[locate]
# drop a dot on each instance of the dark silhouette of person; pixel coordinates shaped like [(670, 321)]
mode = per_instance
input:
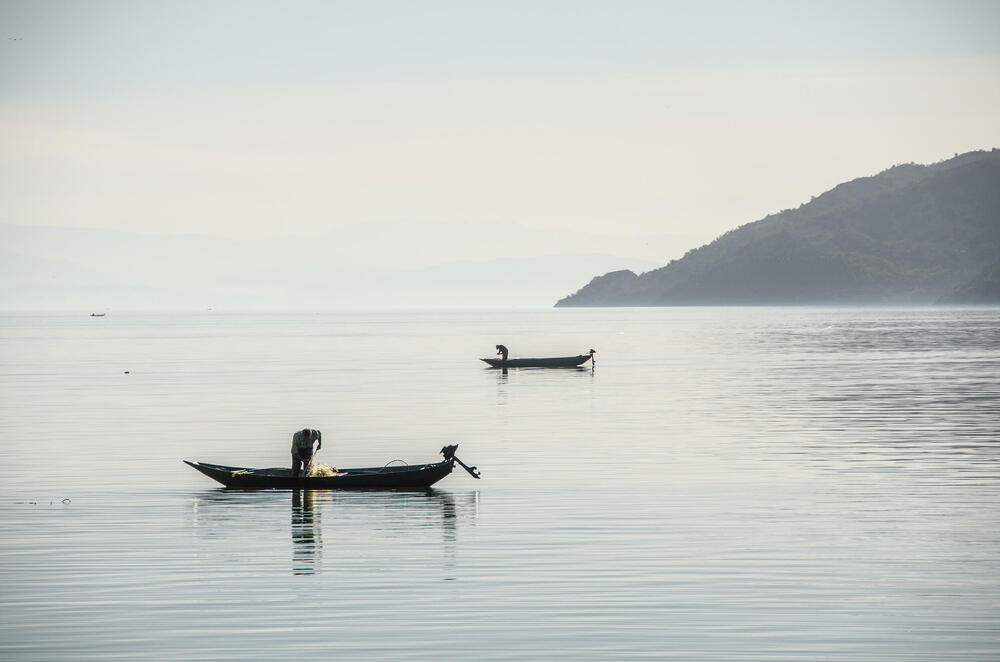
[(302, 449), (502, 351)]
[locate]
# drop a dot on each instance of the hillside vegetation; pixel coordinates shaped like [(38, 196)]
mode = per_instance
[(910, 234)]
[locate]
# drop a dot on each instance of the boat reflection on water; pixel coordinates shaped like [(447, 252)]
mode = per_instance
[(502, 374), (391, 515), (221, 515)]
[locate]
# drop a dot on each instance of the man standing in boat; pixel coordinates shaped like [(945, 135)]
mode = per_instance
[(302, 449), (502, 352)]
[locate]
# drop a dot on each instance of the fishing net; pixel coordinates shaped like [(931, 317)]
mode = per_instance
[(320, 470)]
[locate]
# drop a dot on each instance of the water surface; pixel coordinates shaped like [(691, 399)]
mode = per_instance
[(724, 484)]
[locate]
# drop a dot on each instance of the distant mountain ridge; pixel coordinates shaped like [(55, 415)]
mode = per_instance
[(90, 269), (910, 234)]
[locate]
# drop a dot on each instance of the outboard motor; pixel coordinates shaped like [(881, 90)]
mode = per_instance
[(449, 455)]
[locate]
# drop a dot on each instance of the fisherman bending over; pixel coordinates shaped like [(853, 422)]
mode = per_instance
[(302, 449), (502, 351)]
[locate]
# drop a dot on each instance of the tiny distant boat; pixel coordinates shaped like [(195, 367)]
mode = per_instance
[(550, 362), (98, 314), (388, 477)]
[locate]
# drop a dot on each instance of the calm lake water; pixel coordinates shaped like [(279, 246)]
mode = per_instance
[(724, 484)]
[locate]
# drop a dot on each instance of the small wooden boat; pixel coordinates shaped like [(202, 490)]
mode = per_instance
[(551, 362), (98, 314), (388, 477)]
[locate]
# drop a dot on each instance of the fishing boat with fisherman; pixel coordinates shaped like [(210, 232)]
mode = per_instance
[(546, 362), (391, 476)]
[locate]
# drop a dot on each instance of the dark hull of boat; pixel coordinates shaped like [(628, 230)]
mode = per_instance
[(404, 477), (556, 362)]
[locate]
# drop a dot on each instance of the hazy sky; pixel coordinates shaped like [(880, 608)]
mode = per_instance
[(619, 118)]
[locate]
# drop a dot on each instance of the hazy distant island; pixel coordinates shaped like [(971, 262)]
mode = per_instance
[(912, 234)]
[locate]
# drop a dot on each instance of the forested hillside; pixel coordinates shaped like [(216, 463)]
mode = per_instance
[(910, 234)]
